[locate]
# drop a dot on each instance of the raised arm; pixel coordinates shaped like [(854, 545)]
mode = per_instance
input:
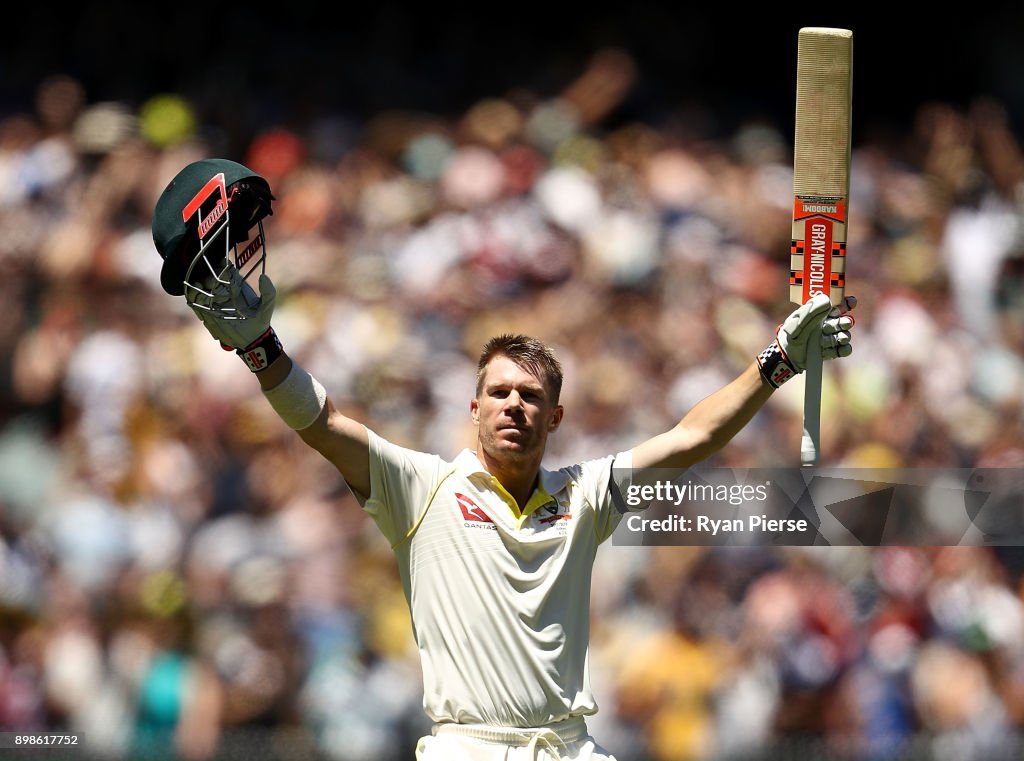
[(297, 397), (340, 439), (717, 418), (708, 426), (207, 226)]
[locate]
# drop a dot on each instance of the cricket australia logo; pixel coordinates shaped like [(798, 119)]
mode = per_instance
[(553, 513), (473, 515)]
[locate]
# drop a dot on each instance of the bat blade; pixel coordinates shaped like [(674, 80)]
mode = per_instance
[(821, 191), (821, 163)]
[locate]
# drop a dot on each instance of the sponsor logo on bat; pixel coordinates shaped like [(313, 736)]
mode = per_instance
[(812, 206), (819, 270)]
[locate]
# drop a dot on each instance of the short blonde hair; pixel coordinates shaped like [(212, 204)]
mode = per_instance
[(529, 353)]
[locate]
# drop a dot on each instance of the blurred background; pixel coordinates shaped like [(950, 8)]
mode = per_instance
[(180, 578)]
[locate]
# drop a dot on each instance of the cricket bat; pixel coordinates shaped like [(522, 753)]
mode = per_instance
[(821, 192)]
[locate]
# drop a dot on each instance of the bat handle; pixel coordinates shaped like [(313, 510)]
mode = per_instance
[(811, 440)]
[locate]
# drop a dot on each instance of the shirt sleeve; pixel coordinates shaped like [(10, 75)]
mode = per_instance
[(401, 483), (603, 482)]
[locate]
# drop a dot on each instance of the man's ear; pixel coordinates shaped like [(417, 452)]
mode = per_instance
[(474, 410), (556, 418)]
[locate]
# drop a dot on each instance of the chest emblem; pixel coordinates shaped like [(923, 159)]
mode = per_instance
[(471, 511), (551, 512)]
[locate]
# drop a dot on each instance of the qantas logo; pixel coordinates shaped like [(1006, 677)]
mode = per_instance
[(470, 510)]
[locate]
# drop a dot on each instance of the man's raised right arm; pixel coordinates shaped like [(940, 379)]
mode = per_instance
[(240, 319), (340, 439)]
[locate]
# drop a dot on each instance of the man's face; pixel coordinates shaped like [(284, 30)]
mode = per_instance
[(514, 411)]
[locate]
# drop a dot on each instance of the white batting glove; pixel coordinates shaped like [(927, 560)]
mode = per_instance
[(233, 313), (814, 325)]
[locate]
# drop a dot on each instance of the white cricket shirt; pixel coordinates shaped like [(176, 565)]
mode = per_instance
[(500, 601)]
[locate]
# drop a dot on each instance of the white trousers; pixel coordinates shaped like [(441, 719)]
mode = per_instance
[(566, 741)]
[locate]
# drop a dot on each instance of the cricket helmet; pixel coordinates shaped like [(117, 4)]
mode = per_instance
[(203, 223)]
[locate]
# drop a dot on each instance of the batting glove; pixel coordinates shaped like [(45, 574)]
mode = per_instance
[(233, 313), (814, 325)]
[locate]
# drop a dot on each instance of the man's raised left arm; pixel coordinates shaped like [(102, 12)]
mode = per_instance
[(713, 421)]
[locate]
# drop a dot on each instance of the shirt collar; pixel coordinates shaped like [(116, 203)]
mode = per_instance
[(551, 481)]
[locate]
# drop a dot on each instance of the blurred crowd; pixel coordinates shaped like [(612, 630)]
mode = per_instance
[(180, 577)]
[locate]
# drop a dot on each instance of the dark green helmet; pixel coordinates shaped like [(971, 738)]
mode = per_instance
[(206, 211)]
